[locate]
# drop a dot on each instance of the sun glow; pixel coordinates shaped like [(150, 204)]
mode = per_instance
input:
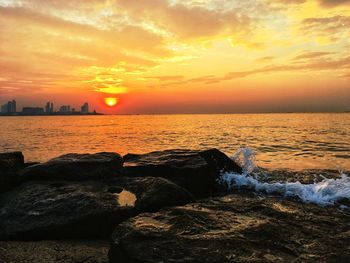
[(111, 102)]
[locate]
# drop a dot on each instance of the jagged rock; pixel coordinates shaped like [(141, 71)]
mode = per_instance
[(196, 171), (88, 209), (61, 251), (10, 164), (235, 228), (75, 167)]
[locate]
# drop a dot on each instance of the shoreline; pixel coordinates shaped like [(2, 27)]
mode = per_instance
[(164, 114)]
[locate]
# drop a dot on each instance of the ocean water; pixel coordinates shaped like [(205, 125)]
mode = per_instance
[(323, 191), (288, 141)]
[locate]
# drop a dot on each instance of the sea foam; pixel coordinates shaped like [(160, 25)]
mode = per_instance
[(325, 192)]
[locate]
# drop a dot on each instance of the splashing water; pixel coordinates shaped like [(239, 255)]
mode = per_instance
[(326, 192), (245, 157)]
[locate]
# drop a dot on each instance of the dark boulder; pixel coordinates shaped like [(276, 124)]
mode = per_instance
[(159, 192), (10, 164), (235, 229), (196, 171), (75, 167), (89, 209), (58, 251)]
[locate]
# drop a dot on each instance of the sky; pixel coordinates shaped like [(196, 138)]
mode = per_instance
[(172, 56)]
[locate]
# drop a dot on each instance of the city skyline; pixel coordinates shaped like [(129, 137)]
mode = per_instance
[(10, 108), (170, 56)]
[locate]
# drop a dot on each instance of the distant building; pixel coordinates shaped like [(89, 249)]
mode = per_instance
[(65, 109), (33, 111), (49, 107), (13, 106), (9, 107), (4, 108), (85, 108)]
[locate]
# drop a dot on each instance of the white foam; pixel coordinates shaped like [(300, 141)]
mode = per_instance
[(245, 157), (326, 192)]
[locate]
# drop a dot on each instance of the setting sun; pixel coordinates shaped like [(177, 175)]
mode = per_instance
[(111, 102)]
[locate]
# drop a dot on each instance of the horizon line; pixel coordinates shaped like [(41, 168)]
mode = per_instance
[(198, 113)]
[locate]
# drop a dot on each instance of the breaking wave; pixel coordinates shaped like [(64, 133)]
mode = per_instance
[(325, 192)]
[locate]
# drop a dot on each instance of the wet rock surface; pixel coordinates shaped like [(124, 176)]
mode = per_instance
[(76, 201), (10, 164), (64, 251), (194, 170), (235, 228), (75, 167), (90, 209)]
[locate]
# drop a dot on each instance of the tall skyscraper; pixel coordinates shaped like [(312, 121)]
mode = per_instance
[(13, 106), (49, 107), (9, 107), (85, 108)]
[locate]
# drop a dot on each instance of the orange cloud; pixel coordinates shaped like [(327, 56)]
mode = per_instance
[(331, 3), (334, 27), (312, 54), (189, 22)]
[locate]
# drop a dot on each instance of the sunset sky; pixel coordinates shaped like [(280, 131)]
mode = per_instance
[(189, 56)]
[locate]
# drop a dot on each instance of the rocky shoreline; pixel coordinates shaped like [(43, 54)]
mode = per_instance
[(164, 206)]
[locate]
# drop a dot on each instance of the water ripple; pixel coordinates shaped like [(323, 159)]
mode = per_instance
[(295, 141)]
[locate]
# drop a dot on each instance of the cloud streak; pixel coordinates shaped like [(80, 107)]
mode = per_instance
[(312, 55), (325, 64)]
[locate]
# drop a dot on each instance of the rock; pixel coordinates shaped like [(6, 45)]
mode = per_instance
[(10, 164), (75, 167), (60, 251), (235, 229), (89, 209), (27, 164), (159, 192), (196, 171), (11, 161)]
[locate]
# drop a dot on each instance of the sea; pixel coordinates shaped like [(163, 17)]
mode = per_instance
[(292, 141), (261, 143)]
